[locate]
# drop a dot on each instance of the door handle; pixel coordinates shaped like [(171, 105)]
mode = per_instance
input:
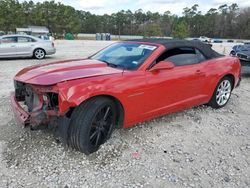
[(32, 45), (12, 46)]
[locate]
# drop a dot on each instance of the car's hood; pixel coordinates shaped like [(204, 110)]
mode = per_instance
[(52, 73)]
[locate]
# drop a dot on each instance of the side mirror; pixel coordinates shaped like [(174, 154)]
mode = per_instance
[(162, 65)]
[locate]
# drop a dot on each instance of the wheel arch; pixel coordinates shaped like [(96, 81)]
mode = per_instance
[(212, 101), (118, 104), (231, 76)]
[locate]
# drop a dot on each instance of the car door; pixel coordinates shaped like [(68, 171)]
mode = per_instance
[(177, 88), (24, 46), (8, 47)]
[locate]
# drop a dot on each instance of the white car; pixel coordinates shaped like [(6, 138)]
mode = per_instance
[(25, 46), (204, 39)]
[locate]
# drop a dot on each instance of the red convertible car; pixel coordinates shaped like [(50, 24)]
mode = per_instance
[(121, 85)]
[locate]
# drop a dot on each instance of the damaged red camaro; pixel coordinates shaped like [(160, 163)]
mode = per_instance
[(123, 84)]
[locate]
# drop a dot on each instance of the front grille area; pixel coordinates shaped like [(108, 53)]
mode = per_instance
[(19, 90), (53, 100), (25, 94), (37, 105), (30, 99)]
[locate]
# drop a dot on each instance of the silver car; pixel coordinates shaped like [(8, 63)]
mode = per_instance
[(25, 46)]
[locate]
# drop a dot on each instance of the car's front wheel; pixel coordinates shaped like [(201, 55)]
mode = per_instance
[(91, 124), (222, 93), (39, 53)]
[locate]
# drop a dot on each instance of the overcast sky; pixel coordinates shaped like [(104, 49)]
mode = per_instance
[(174, 6)]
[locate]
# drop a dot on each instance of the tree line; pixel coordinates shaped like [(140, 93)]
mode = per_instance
[(226, 21)]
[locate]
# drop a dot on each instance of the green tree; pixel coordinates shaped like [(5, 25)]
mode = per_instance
[(180, 30), (224, 21), (10, 11), (152, 30)]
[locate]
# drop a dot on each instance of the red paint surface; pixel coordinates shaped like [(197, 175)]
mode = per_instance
[(143, 94), (62, 71)]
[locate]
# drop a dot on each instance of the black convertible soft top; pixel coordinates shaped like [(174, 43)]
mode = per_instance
[(206, 49)]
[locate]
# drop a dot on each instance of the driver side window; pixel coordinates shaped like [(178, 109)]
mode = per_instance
[(182, 56)]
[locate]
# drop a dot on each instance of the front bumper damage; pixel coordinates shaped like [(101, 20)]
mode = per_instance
[(22, 117), (35, 118), (34, 106), (41, 115)]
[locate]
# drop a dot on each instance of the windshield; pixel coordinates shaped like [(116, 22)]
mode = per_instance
[(125, 55)]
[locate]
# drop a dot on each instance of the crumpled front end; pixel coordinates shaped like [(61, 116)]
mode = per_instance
[(34, 105)]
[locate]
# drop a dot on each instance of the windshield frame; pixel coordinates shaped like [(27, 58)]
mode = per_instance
[(127, 42)]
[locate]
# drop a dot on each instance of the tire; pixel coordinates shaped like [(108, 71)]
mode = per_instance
[(88, 127), (39, 53), (222, 93), (233, 53)]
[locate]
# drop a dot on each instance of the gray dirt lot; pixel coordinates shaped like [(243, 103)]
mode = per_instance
[(199, 147)]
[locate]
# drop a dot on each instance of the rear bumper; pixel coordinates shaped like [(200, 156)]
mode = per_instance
[(50, 51)]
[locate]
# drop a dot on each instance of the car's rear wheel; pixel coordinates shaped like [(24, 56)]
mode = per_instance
[(222, 93), (233, 53), (39, 53), (92, 124)]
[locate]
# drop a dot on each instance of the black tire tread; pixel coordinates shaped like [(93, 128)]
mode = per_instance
[(80, 119)]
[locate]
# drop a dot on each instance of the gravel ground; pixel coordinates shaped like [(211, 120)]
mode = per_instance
[(199, 147)]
